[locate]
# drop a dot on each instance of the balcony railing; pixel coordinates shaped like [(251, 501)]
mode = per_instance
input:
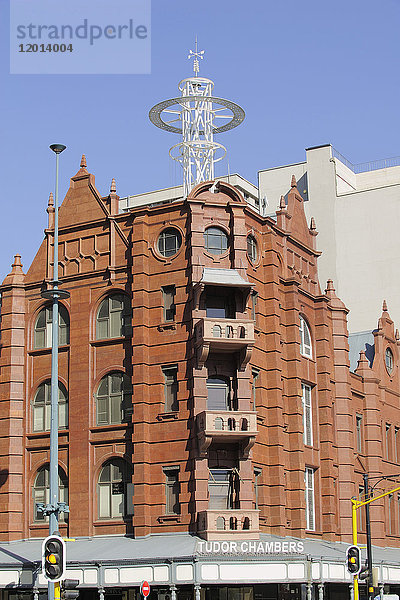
[(227, 426), (235, 524), (224, 335)]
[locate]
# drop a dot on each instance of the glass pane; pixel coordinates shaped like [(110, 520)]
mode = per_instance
[(47, 416), (105, 474), (40, 339), (117, 471), (40, 395), (62, 415), (116, 383), (104, 501), (41, 320), (102, 411), (103, 310), (41, 478), (103, 387), (102, 329), (116, 416), (117, 505), (116, 324), (38, 418), (117, 302)]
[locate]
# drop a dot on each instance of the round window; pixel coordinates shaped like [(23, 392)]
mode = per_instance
[(252, 248), (169, 242), (215, 240), (389, 360)]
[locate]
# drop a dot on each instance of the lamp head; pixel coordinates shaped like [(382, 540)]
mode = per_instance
[(57, 148)]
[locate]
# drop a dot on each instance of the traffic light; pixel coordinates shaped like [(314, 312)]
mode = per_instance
[(353, 559), (68, 589), (53, 557)]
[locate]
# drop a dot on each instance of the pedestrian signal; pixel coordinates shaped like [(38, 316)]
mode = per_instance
[(68, 589)]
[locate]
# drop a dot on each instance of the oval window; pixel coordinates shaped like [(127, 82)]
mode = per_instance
[(252, 248), (389, 360), (169, 242)]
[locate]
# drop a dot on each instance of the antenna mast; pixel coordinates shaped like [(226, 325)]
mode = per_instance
[(196, 115)]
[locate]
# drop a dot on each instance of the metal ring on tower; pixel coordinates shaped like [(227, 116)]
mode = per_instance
[(181, 102)]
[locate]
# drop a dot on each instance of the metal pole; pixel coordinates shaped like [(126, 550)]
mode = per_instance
[(354, 527), (370, 589), (53, 504), (53, 517)]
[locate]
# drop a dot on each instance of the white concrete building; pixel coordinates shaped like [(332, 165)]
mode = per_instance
[(357, 214)]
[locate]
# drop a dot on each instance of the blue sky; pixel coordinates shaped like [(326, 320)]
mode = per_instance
[(306, 73)]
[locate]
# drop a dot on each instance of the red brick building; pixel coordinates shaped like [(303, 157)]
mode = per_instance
[(205, 394)]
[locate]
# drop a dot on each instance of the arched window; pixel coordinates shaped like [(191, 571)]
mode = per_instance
[(218, 393), (43, 327), (42, 407), (215, 240), (41, 491), (305, 339), (112, 488), (113, 317), (113, 399), (169, 242)]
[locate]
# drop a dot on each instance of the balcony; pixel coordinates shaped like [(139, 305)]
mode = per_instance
[(224, 335), (235, 524), (227, 426)]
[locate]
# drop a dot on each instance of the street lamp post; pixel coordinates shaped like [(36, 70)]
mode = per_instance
[(54, 507)]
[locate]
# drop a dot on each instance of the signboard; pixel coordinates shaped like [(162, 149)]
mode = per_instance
[(145, 589)]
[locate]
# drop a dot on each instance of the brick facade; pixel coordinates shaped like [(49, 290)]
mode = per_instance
[(255, 347)]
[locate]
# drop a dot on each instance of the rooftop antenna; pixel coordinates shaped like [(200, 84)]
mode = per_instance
[(194, 116)]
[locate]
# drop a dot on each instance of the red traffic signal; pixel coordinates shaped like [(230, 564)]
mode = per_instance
[(353, 560), (53, 557)]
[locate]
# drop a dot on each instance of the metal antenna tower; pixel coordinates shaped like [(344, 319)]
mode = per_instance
[(196, 115)]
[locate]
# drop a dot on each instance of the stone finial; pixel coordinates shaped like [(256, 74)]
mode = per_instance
[(282, 203), (397, 335), (293, 183), (83, 164), (17, 264), (51, 200), (312, 224), (329, 286), (384, 306), (113, 186)]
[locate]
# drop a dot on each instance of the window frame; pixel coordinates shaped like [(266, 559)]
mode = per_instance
[(359, 433), (161, 245), (126, 399), (124, 322), (252, 248), (306, 401), (305, 348), (309, 478), (172, 490), (46, 404), (108, 485), (171, 388), (390, 366), (232, 485), (46, 330), (169, 308), (219, 232), (44, 490)]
